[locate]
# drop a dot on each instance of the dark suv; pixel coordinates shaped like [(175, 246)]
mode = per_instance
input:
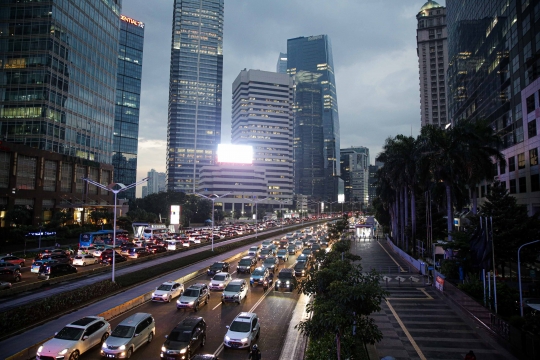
[(61, 258), (53, 270), (10, 275), (193, 297), (217, 267), (246, 265), (286, 280), (185, 339), (301, 268)]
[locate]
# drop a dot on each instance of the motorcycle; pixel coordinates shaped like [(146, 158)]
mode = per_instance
[(265, 285)]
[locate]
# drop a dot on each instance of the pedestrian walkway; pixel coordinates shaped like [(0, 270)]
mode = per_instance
[(418, 321)]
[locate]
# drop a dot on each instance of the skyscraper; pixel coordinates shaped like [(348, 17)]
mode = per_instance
[(128, 101), (494, 74), (281, 66), (262, 118), (314, 54), (355, 174), (58, 77), (432, 51), (156, 182), (195, 91)]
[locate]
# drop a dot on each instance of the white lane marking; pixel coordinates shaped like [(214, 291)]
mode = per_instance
[(218, 305)]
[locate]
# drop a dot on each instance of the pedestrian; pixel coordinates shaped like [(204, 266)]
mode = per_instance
[(470, 356), (255, 353)]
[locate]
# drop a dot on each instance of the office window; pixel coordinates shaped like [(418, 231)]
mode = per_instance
[(531, 128), (5, 159), (49, 176), (521, 161), (522, 185), (512, 163), (513, 186), (530, 104), (535, 182), (533, 156), (502, 168), (26, 172)]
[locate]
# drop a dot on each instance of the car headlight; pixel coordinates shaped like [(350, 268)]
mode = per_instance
[(63, 352), (39, 349), (121, 348), (153, 294), (287, 282), (251, 278), (104, 346), (278, 282), (227, 338), (220, 285), (244, 340), (192, 302), (163, 348), (183, 351)]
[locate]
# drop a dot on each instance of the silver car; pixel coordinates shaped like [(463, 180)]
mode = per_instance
[(129, 335)]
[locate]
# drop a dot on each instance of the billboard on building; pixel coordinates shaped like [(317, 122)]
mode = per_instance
[(235, 154), (175, 215)]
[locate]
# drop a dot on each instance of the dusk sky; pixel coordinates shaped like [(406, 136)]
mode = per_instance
[(375, 61)]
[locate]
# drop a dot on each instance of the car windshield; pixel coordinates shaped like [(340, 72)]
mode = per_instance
[(254, 248), (269, 261), (281, 252), (217, 266), (123, 331), (164, 287), (182, 336), (191, 293), (265, 251), (245, 262), (233, 288), (78, 257), (258, 272), (69, 333), (285, 275), (219, 277), (300, 265), (240, 326)]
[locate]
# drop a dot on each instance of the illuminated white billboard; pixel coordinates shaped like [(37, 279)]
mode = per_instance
[(236, 154), (175, 214), (341, 198)]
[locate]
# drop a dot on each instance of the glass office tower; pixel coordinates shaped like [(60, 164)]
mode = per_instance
[(128, 103), (57, 85), (314, 54), (281, 66), (195, 91)]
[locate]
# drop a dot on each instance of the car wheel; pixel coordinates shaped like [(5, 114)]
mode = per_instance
[(17, 278), (128, 355), (74, 355), (258, 333), (203, 341), (104, 337), (83, 264), (150, 337), (206, 301), (196, 308), (169, 299), (22, 264)]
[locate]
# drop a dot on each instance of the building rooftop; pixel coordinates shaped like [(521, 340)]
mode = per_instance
[(430, 5)]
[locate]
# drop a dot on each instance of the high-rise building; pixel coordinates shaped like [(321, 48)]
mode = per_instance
[(128, 102), (262, 118), (493, 74), (313, 54), (144, 191), (195, 91), (156, 182), (355, 174), (432, 51), (281, 66)]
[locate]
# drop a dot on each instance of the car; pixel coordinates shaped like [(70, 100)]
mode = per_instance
[(155, 249), (246, 265), (265, 244), (135, 253), (60, 258), (49, 271), (283, 254), (11, 266), (235, 291), (37, 264), (299, 244), (124, 250), (107, 253), (286, 280), (283, 243), (75, 339), (4, 285), (167, 291), (315, 248), (194, 297), (132, 333), (83, 260), (308, 252), (243, 331), (12, 260), (220, 281), (253, 251), (107, 259), (98, 250), (271, 263), (185, 338), (216, 267), (266, 252), (301, 268), (260, 275), (10, 275), (292, 249)]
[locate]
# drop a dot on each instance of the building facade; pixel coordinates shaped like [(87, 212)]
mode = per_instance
[(355, 174), (281, 66), (432, 51), (58, 75), (262, 118), (313, 54), (372, 189), (494, 53), (128, 103), (195, 91), (156, 182)]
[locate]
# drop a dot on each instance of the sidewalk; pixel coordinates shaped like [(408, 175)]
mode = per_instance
[(295, 343)]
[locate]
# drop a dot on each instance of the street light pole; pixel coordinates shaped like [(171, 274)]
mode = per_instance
[(519, 276), (115, 192), (256, 216), (212, 198)]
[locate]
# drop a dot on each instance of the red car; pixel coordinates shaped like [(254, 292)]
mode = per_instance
[(13, 260)]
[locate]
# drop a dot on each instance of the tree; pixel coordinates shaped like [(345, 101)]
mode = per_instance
[(237, 214), (18, 216), (344, 299)]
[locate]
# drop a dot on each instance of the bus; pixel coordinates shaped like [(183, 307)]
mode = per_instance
[(101, 237), (148, 231)]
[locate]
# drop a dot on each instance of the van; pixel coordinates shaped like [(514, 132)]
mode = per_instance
[(129, 335)]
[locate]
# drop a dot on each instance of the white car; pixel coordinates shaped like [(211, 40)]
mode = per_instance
[(253, 251), (236, 291), (167, 291), (83, 260), (220, 281), (243, 331), (75, 339)]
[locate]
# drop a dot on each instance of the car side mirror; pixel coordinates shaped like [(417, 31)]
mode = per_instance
[(195, 338), (135, 335), (166, 336), (227, 326), (85, 337)]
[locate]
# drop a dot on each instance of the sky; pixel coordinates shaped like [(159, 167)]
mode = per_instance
[(375, 63)]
